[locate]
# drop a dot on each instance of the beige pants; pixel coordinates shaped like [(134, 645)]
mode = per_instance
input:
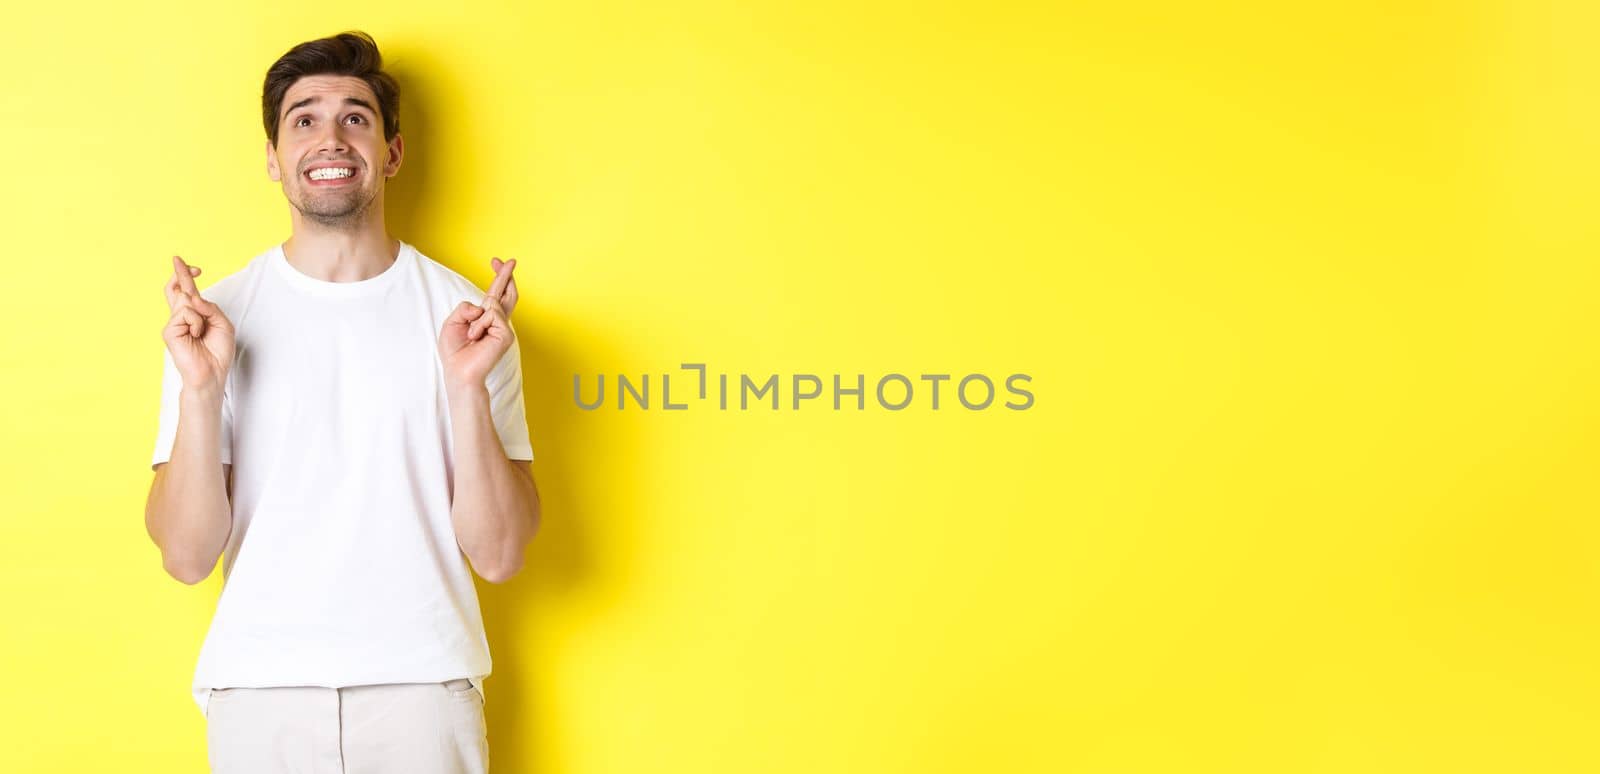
[(395, 728)]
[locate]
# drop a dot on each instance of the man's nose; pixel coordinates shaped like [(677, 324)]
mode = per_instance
[(332, 140)]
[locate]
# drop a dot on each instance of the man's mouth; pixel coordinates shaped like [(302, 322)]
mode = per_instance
[(330, 176)]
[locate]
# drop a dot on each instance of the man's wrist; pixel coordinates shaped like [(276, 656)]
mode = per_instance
[(205, 397), (461, 392)]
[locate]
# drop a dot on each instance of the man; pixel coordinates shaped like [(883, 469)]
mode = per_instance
[(342, 422)]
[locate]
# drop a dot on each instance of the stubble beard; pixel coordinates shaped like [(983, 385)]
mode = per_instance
[(334, 211)]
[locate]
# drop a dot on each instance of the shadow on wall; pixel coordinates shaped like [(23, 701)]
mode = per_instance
[(557, 562)]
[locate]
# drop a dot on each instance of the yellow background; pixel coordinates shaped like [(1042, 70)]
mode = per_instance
[(1307, 293)]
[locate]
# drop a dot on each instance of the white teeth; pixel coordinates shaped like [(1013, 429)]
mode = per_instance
[(329, 173)]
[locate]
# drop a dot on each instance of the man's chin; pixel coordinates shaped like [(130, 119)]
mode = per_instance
[(326, 208)]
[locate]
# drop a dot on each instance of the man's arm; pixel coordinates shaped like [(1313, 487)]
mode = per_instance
[(495, 510), (188, 512)]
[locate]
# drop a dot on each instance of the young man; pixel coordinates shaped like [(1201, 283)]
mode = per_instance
[(342, 422)]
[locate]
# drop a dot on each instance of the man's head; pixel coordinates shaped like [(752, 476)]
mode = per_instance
[(328, 103)]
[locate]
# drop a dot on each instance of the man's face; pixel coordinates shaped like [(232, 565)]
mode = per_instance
[(332, 120)]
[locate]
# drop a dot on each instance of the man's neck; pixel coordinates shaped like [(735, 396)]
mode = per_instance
[(340, 256)]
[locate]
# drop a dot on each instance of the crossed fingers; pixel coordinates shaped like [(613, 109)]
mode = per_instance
[(181, 283), (494, 304), (504, 288)]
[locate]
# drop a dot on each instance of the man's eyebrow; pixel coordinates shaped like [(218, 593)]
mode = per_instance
[(347, 101)]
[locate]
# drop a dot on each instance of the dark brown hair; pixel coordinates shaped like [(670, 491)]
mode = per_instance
[(350, 53)]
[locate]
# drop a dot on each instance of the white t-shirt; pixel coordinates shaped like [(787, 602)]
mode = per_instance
[(342, 567)]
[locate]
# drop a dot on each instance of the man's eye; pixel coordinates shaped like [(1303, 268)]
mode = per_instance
[(298, 120), (358, 117)]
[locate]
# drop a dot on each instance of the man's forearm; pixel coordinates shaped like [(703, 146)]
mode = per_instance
[(187, 513), (495, 509)]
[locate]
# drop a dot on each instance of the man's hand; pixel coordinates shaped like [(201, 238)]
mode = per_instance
[(198, 335), (474, 336)]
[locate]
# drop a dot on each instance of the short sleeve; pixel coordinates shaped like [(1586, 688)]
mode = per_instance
[(504, 384), (167, 428)]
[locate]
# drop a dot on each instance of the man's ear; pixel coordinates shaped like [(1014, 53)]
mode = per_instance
[(396, 150), (272, 163)]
